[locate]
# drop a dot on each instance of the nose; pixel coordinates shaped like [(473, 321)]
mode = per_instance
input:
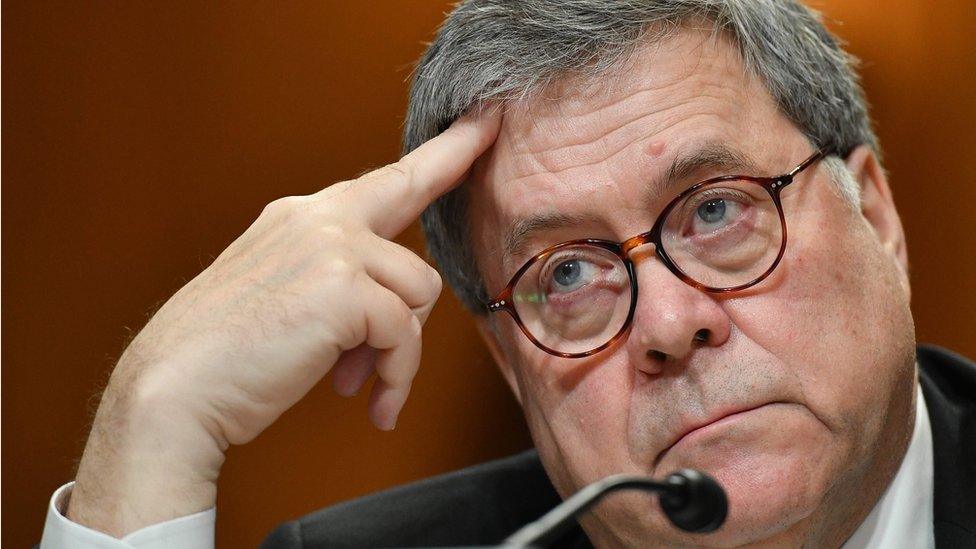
[(671, 318)]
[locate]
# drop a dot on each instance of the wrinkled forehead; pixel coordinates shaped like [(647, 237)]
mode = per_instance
[(656, 86), (600, 148)]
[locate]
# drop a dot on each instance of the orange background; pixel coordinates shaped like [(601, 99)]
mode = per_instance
[(141, 138)]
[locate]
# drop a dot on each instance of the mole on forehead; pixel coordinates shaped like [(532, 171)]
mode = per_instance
[(632, 137), (581, 129), (655, 148)]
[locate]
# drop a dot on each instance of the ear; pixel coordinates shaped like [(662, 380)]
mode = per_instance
[(490, 336), (878, 206)]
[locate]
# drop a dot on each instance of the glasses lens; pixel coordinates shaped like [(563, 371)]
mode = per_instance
[(575, 298), (725, 234)]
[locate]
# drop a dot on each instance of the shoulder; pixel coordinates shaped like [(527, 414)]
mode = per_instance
[(951, 374), (479, 505), (949, 384)]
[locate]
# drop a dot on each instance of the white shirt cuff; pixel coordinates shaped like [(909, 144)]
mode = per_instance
[(192, 531)]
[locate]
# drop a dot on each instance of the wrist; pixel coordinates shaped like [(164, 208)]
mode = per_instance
[(148, 458)]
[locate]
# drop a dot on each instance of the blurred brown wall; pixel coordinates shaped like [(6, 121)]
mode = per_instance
[(141, 138)]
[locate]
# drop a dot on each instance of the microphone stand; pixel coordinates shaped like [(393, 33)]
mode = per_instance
[(692, 500)]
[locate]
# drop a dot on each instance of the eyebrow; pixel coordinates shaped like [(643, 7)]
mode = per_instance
[(711, 156), (523, 229)]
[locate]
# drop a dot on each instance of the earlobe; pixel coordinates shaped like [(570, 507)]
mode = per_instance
[(877, 205), (490, 336)]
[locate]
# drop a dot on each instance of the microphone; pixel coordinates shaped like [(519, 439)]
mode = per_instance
[(692, 501)]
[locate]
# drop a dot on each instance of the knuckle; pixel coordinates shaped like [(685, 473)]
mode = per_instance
[(332, 308), (282, 205), (428, 280), (422, 275), (436, 282), (404, 317), (416, 328), (333, 233), (338, 269)]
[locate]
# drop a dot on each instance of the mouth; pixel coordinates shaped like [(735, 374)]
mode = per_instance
[(718, 421)]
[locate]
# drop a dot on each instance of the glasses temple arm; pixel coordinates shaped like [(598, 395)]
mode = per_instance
[(806, 163)]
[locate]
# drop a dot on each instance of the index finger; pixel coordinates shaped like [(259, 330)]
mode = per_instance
[(392, 197)]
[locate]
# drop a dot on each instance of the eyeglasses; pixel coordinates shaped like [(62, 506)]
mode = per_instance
[(724, 234)]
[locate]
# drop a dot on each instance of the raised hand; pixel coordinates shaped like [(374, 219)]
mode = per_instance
[(314, 285)]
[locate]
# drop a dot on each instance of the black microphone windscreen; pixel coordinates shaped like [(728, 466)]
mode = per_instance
[(695, 502)]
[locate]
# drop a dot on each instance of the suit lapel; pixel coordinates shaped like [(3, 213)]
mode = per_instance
[(949, 385)]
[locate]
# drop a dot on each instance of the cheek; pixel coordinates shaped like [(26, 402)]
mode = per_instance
[(836, 315), (575, 408)]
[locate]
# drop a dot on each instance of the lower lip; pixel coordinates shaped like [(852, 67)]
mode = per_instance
[(726, 421)]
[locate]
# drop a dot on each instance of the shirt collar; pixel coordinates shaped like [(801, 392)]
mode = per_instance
[(903, 517)]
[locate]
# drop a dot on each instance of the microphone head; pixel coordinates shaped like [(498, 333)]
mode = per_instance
[(694, 501)]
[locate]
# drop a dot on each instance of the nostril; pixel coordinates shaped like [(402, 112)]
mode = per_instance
[(703, 335), (657, 355)]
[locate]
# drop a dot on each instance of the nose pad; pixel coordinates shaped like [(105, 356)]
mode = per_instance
[(640, 242), (643, 253)]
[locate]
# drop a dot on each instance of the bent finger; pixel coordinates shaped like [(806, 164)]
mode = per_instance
[(395, 371), (388, 320), (402, 271), (353, 369)]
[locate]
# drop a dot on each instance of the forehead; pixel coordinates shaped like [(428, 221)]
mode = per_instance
[(592, 148)]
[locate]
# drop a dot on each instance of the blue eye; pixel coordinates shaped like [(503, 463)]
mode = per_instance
[(717, 213), (567, 273), (712, 211), (570, 274)]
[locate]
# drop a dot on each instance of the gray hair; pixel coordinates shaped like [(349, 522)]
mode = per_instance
[(507, 50)]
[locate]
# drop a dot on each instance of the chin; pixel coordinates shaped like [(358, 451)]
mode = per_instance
[(768, 507), (774, 465)]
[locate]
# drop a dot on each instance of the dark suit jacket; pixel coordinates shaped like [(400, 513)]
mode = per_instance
[(484, 504)]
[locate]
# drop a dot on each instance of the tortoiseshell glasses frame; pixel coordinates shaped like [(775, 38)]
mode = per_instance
[(504, 300)]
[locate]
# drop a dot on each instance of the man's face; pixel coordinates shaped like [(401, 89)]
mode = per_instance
[(812, 369)]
